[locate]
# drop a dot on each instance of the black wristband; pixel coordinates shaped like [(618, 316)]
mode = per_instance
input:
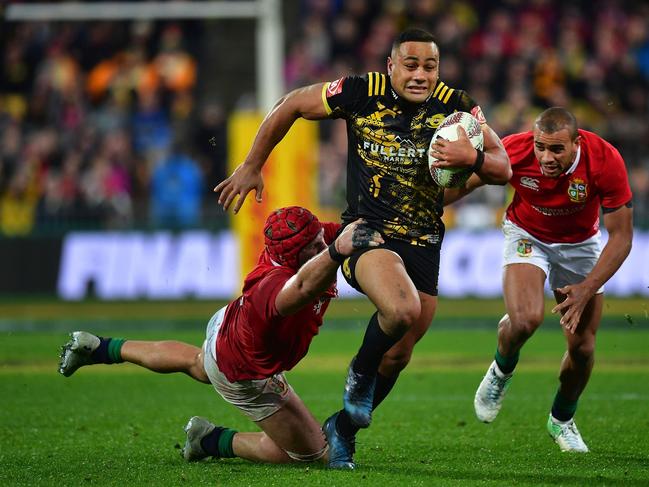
[(335, 255), (479, 161)]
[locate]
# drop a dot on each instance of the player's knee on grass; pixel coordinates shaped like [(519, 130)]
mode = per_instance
[(196, 369), (308, 457)]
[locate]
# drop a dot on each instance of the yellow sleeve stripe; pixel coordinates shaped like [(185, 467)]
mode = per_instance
[(440, 85), (324, 98), (443, 92), (448, 95), (375, 84)]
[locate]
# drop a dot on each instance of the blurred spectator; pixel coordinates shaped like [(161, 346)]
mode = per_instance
[(152, 134), (210, 139), (176, 191), (18, 204)]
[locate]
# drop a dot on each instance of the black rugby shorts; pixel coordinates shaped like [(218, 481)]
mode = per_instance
[(422, 264)]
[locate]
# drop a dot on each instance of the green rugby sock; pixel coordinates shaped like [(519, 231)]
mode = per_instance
[(218, 443), (225, 443), (115, 350), (109, 351), (562, 408), (506, 364)]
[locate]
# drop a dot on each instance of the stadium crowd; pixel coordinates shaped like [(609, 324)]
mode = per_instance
[(100, 125)]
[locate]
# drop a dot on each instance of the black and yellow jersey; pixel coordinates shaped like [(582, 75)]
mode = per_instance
[(388, 181)]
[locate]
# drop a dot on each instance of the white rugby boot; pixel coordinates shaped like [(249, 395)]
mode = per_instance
[(490, 394), (566, 435), (196, 429)]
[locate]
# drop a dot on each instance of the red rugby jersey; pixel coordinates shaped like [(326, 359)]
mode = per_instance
[(255, 341), (565, 209)]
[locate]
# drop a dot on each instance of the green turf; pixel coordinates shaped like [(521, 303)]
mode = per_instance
[(121, 425), (49, 308)]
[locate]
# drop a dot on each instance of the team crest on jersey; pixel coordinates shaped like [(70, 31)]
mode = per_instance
[(577, 190), (434, 121), (524, 247), (335, 87)]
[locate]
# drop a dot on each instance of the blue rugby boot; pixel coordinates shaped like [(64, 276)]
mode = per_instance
[(341, 449), (359, 396)]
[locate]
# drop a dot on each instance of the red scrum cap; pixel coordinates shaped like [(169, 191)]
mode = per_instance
[(287, 231)]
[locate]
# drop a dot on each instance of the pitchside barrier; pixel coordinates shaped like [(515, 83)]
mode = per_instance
[(205, 265)]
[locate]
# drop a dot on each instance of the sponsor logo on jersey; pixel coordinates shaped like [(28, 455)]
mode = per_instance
[(577, 190), (524, 247), (399, 151), (477, 113), (530, 183), (317, 307), (570, 210), (335, 87)]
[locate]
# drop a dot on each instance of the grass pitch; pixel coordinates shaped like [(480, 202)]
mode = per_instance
[(121, 425)]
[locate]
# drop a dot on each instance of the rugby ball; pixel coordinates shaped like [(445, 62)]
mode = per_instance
[(452, 177)]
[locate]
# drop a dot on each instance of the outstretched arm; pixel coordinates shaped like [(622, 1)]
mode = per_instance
[(301, 103), (619, 224), (319, 273)]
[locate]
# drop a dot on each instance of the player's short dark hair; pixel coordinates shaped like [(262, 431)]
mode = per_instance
[(557, 118), (413, 35)]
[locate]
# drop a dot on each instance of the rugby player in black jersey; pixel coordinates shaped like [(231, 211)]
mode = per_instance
[(390, 122)]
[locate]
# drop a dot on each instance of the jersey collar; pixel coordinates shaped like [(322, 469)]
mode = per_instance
[(572, 168)]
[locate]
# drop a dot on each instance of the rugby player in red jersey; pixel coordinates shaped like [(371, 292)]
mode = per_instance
[(562, 176), (252, 341)]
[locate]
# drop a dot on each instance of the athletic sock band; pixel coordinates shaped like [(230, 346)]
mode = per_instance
[(218, 443), (225, 443), (109, 351), (562, 408), (506, 364), (115, 350)]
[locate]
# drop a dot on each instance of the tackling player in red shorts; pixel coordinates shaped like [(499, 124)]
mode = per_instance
[(252, 341), (562, 176)]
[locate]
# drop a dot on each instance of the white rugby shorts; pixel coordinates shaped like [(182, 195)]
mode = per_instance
[(563, 263), (257, 399)]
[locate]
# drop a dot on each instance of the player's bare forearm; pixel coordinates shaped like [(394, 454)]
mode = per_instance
[(316, 275), (496, 168), (619, 225), (300, 103), (304, 102)]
